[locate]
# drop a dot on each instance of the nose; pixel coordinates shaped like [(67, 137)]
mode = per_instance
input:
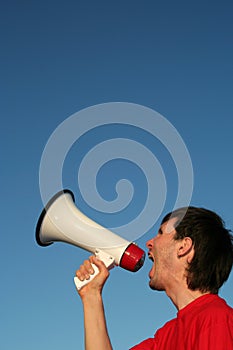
[(149, 243)]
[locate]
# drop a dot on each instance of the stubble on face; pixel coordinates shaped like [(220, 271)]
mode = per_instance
[(162, 252)]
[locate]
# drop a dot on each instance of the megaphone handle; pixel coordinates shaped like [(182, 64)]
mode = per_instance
[(107, 259)]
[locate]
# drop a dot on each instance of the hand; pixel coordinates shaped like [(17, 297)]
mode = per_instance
[(86, 270)]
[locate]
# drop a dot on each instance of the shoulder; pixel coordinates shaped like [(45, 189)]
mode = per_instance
[(216, 306), (209, 303), (211, 311)]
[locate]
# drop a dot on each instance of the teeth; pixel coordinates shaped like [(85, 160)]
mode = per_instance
[(151, 257)]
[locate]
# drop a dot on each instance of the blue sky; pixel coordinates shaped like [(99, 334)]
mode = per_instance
[(58, 58)]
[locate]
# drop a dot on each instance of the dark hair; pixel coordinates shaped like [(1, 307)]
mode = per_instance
[(213, 247)]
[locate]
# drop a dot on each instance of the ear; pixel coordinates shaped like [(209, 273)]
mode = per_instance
[(185, 247)]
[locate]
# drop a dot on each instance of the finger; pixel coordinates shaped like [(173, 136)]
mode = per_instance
[(101, 266), (88, 266), (79, 275), (84, 270)]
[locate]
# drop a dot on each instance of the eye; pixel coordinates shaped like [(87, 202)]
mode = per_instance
[(160, 231)]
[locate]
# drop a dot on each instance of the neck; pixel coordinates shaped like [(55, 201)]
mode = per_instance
[(181, 296)]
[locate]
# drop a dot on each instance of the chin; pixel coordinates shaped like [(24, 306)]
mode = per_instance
[(155, 286), (152, 285)]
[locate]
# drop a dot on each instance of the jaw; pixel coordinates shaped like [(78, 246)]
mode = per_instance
[(156, 278), (152, 271), (153, 276)]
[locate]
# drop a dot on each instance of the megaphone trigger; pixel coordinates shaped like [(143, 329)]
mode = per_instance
[(108, 261)]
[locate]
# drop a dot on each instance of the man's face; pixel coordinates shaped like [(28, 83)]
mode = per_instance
[(163, 253)]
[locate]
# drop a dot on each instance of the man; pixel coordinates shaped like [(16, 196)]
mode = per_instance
[(192, 257)]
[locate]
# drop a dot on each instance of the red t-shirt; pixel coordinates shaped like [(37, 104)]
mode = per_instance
[(204, 324)]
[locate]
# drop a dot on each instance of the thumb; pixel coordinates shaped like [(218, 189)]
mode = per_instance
[(99, 263)]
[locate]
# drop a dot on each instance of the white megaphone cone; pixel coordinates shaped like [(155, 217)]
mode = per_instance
[(62, 221)]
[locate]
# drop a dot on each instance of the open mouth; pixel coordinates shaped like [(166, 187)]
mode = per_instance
[(150, 257), (151, 272)]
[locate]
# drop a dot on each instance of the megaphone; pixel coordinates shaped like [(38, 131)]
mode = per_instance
[(62, 221)]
